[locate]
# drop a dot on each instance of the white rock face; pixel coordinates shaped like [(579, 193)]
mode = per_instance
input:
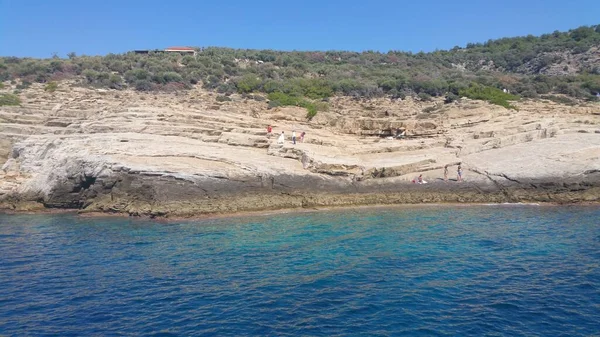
[(75, 147), (51, 162)]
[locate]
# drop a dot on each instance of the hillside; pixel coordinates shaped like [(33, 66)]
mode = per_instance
[(190, 153), (163, 134), (558, 63)]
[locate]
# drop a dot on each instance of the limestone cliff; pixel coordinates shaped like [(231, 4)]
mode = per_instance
[(182, 154)]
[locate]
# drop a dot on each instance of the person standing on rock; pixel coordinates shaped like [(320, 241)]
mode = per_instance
[(460, 172), (446, 173), (294, 137), (302, 136), (281, 138), (269, 131)]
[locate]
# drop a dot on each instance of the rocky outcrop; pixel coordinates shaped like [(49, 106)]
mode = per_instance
[(176, 155)]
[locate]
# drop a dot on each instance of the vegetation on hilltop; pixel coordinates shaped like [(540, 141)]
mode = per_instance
[(558, 63)]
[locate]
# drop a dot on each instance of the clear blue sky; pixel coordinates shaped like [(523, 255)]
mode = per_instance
[(39, 28)]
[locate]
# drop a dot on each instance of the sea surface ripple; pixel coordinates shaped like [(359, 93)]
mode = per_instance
[(409, 271)]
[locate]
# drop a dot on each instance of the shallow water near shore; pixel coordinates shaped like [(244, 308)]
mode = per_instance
[(514, 270)]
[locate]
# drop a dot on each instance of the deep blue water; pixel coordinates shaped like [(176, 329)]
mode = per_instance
[(420, 271)]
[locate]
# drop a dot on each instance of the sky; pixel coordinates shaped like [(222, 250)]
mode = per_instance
[(41, 28)]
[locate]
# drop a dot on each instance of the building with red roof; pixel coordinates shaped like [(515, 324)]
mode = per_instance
[(181, 50)]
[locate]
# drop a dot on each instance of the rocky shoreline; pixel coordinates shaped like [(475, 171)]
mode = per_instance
[(187, 155), (159, 196)]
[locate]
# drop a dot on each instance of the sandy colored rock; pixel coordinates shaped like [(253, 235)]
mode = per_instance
[(177, 154)]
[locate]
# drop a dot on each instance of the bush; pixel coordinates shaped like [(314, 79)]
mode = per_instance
[(171, 76), (9, 99), (529, 94), (280, 99), (248, 83), (136, 74), (51, 87), (212, 82), (322, 106), (226, 88), (115, 81), (312, 88), (591, 83), (90, 75), (143, 85), (425, 97), (222, 98), (489, 94), (1, 85), (347, 86), (451, 98), (312, 111)]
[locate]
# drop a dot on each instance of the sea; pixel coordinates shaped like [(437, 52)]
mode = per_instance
[(485, 270)]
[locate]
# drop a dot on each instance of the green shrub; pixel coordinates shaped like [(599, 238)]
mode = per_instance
[(591, 83), (1, 85), (284, 99), (270, 86), (143, 85), (322, 106), (489, 94), (90, 75), (311, 88), (51, 87), (171, 76), (347, 86), (115, 81), (451, 98), (281, 99), (312, 111), (226, 88), (212, 82), (134, 75), (248, 83), (425, 97), (222, 98), (529, 94), (9, 99)]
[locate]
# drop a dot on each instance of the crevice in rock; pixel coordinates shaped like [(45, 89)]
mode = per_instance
[(508, 178), (87, 182), (502, 189)]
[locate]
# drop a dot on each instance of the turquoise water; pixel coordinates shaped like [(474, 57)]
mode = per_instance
[(420, 271)]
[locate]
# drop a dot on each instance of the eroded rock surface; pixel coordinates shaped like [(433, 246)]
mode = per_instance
[(187, 154)]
